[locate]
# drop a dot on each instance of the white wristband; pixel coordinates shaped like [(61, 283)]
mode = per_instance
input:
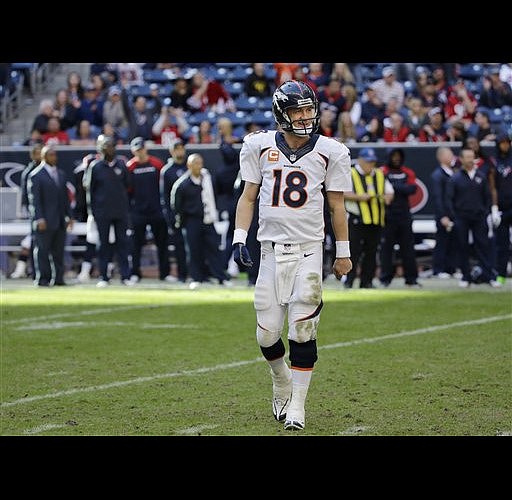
[(240, 236), (342, 249)]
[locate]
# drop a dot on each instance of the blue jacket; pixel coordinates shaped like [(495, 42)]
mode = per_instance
[(107, 189), (467, 198), (48, 200), (439, 181)]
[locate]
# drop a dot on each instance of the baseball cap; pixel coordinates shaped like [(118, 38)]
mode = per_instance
[(435, 110), (114, 90), (368, 154), (388, 70), (137, 143)]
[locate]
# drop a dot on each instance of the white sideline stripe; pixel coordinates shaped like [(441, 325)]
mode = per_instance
[(236, 364), (196, 429), (75, 324), (43, 428), (89, 312)]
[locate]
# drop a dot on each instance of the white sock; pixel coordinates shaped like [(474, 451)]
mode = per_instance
[(300, 385), (279, 368), (86, 267)]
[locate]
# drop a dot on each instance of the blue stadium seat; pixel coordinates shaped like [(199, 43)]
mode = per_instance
[(240, 73), (471, 71), (262, 118), (265, 103), (155, 76), (233, 88), (245, 103)]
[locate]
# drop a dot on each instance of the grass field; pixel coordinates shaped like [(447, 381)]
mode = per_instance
[(159, 360)]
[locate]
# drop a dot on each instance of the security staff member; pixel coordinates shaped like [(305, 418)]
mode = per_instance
[(398, 221), (193, 201), (106, 182), (366, 211), (468, 202)]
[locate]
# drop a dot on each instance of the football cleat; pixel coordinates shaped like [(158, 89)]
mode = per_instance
[(295, 421), (282, 394)]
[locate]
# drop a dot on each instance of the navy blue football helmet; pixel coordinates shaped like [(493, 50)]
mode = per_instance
[(295, 94)]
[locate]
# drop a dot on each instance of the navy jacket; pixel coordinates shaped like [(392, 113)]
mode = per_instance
[(107, 189), (169, 174), (439, 181), (467, 198), (48, 200)]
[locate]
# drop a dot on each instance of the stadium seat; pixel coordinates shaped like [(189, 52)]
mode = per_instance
[(245, 103), (240, 74), (471, 71), (233, 88), (155, 76)]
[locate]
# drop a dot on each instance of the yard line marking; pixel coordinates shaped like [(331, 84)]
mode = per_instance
[(419, 331), (89, 312), (75, 324), (43, 428), (196, 429), (236, 364)]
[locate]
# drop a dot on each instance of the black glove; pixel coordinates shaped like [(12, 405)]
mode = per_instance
[(241, 255)]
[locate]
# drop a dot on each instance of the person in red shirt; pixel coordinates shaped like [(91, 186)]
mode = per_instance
[(461, 104), (146, 210), (55, 135), (209, 95), (396, 131)]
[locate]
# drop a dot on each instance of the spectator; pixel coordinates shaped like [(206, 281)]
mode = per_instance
[(146, 210), (371, 107), (441, 82), (50, 213), (416, 117), (317, 75), (75, 88), (389, 87), (372, 132), (327, 123), (180, 94), (100, 87), (106, 182), (503, 162), (434, 130), (460, 104), (84, 135), (175, 167), (209, 95), (456, 132), (482, 128), (128, 73), (284, 72), (55, 135), (398, 221), (342, 73), (331, 97), (468, 202), (444, 255), (257, 84), (430, 98), (397, 131), (346, 131), (366, 215), (91, 107), (495, 92), (140, 118), (203, 135), (169, 126), (114, 113), (506, 73), (193, 200), (64, 110), (46, 111), (352, 104), (300, 75), (35, 138)]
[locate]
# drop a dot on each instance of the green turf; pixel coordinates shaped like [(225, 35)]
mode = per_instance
[(163, 361)]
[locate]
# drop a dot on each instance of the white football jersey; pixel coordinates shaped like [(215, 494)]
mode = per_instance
[(291, 202)]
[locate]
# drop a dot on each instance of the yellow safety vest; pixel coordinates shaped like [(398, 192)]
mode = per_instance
[(373, 212)]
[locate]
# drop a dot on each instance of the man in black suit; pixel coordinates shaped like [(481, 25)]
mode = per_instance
[(50, 213)]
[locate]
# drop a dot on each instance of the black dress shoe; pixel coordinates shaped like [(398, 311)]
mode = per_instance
[(43, 283)]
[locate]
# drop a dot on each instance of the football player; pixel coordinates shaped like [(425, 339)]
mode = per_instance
[(288, 170)]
